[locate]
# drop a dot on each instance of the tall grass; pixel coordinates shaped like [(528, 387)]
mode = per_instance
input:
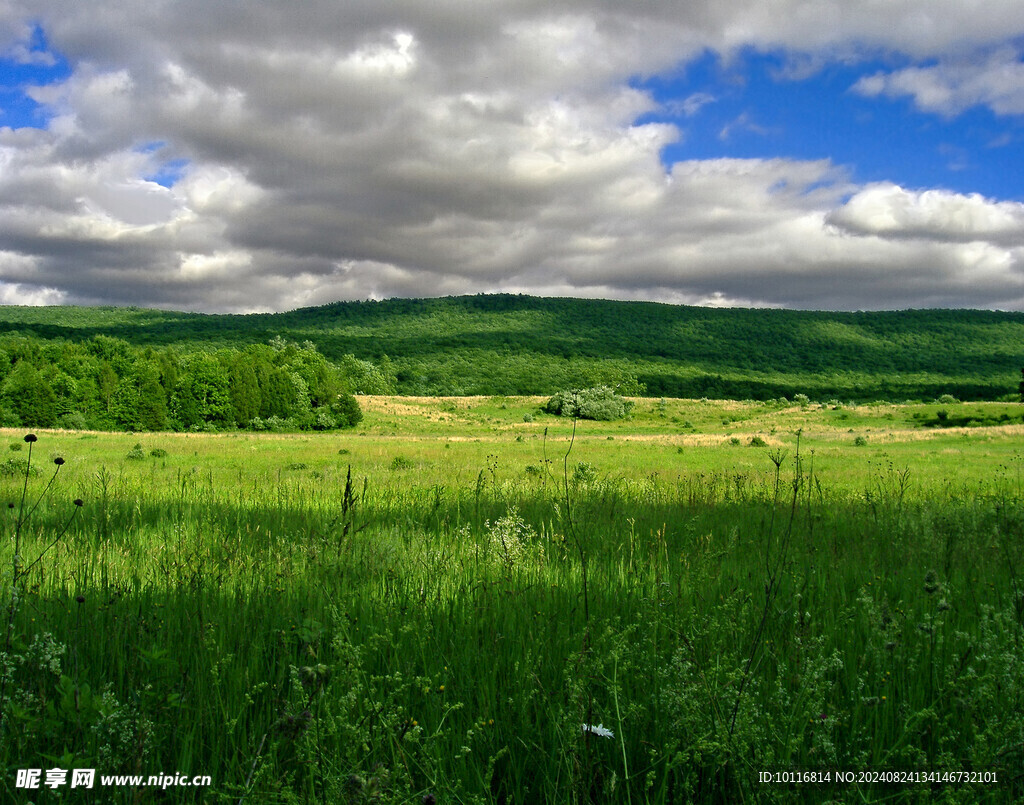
[(314, 636)]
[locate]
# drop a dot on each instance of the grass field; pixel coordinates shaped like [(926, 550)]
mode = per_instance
[(448, 602)]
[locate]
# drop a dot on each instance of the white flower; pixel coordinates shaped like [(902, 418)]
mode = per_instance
[(599, 730)]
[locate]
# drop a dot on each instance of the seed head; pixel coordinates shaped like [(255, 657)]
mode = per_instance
[(80, 599), (931, 582), (30, 437), (58, 461), (78, 502)]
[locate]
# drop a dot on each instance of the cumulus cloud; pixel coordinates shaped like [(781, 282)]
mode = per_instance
[(337, 151), (887, 210), (949, 88)]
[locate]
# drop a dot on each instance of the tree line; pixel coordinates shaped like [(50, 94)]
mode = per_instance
[(106, 383), (516, 345)]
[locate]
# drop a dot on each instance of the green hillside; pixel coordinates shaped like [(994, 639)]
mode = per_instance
[(505, 344)]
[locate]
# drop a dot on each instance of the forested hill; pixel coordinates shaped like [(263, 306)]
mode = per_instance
[(505, 344)]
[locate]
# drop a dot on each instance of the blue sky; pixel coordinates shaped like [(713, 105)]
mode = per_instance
[(37, 64), (785, 153), (749, 107)]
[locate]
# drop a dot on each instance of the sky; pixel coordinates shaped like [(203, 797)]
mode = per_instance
[(230, 156)]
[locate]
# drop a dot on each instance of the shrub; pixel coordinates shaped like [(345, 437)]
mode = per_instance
[(347, 412), (802, 400), (599, 403), (158, 452), (401, 463), (274, 424), (947, 399), (16, 467), (584, 473), (73, 421), (324, 421), (757, 441), (860, 441), (136, 454)]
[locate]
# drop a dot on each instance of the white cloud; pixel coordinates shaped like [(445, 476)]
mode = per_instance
[(887, 210), (951, 87), (690, 105), (744, 123), (373, 149), (13, 293)]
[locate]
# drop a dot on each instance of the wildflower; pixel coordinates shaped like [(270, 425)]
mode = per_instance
[(931, 582), (58, 461), (600, 730)]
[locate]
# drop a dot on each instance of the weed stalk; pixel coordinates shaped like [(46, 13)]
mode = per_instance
[(19, 570), (771, 587)]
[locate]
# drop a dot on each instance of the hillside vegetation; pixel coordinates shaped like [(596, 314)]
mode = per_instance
[(505, 345)]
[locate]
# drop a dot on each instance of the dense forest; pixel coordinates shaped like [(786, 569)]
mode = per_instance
[(97, 361), (106, 383)]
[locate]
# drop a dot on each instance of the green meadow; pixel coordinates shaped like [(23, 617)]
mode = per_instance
[(468, 600)]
